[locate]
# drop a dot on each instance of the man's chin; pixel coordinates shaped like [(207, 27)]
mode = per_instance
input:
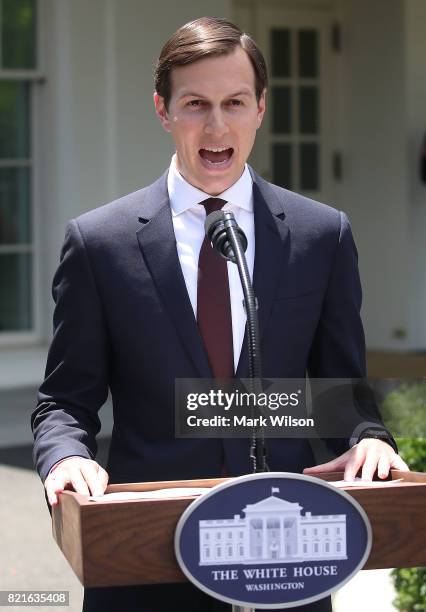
[(214, 185)]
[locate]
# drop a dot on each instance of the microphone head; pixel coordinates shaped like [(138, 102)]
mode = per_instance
[(212, 220), (216, 226)]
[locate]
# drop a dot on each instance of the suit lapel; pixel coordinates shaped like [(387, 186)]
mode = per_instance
[(158, 245), (271, 234)]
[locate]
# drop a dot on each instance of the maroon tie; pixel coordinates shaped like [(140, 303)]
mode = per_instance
[(214, 304)]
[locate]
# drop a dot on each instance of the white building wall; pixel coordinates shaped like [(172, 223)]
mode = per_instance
[(374, 190), (415, 91), (101, 138), (379, 103)]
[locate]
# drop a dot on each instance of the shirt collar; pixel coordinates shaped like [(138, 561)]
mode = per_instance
[(183, 195)]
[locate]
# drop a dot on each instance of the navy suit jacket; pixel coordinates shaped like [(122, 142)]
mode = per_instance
[(123, 321)]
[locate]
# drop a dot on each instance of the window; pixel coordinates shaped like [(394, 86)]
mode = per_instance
[(338, 547), (218, 535), (207, 536), (295, 97), (18, 61)]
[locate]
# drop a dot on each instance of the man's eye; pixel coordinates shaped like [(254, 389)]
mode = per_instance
[(236, 103), (195, 103)]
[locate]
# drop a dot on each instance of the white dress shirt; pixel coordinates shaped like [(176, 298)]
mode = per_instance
[(188, 222)]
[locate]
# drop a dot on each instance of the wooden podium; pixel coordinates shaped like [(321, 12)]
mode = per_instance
[(113, 543)]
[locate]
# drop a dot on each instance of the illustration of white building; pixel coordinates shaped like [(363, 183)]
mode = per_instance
[(273, 530)]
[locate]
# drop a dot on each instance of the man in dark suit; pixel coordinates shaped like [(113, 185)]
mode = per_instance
[(128, 300)]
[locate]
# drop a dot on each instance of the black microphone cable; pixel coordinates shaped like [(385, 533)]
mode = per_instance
[(230, 241)]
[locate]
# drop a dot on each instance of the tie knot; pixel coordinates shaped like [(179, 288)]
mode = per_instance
[(212, 204)]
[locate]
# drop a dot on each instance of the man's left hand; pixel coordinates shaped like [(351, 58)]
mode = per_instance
[(370, 454)]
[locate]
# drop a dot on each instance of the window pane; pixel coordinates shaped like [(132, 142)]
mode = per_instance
[(280, 53), (281, 110), (308, 53), (15, 288), (14, 120), (309, 166), (308, 110), (15, 206), (18, 34), (281, 164)]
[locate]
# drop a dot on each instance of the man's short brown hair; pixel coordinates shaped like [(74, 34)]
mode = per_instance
[(201, 38)]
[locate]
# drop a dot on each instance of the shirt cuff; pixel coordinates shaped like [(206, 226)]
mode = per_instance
[(368, 430)]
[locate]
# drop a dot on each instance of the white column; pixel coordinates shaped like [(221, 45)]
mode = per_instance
[(298, 536), (264, 543)]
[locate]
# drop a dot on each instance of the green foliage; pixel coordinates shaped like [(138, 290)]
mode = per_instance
[(413, 451), (404, 412), (410, 583)]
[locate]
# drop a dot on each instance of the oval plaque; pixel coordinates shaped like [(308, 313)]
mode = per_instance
[(272, 540)]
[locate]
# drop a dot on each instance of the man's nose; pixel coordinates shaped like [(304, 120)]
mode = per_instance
[(216, 123)]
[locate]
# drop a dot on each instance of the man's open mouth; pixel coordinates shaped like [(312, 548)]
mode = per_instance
[(216, 157)]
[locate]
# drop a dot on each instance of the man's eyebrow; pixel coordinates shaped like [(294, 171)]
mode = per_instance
[(192, 94)]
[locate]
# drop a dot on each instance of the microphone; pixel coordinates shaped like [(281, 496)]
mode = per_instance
[(230, 241), (219, 225)]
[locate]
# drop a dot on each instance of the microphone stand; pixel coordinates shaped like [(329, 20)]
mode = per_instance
[(233, 250), (257, 449)]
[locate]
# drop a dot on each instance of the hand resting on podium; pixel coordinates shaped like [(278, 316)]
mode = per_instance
[(87, 477), (370, 455), (83, 475)]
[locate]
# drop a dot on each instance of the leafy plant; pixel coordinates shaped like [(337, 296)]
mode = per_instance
[(404, 413), (410, 583)]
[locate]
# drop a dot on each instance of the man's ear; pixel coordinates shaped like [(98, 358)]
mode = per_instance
[(161, 112), (261, 107)]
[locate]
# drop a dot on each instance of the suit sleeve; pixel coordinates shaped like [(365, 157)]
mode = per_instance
[(65, 421), (338, 350), (347, 404)]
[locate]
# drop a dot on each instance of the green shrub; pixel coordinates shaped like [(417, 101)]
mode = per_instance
[(410, 583), (404, 412)]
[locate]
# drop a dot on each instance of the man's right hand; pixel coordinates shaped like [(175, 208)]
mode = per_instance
[(83, 475)]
